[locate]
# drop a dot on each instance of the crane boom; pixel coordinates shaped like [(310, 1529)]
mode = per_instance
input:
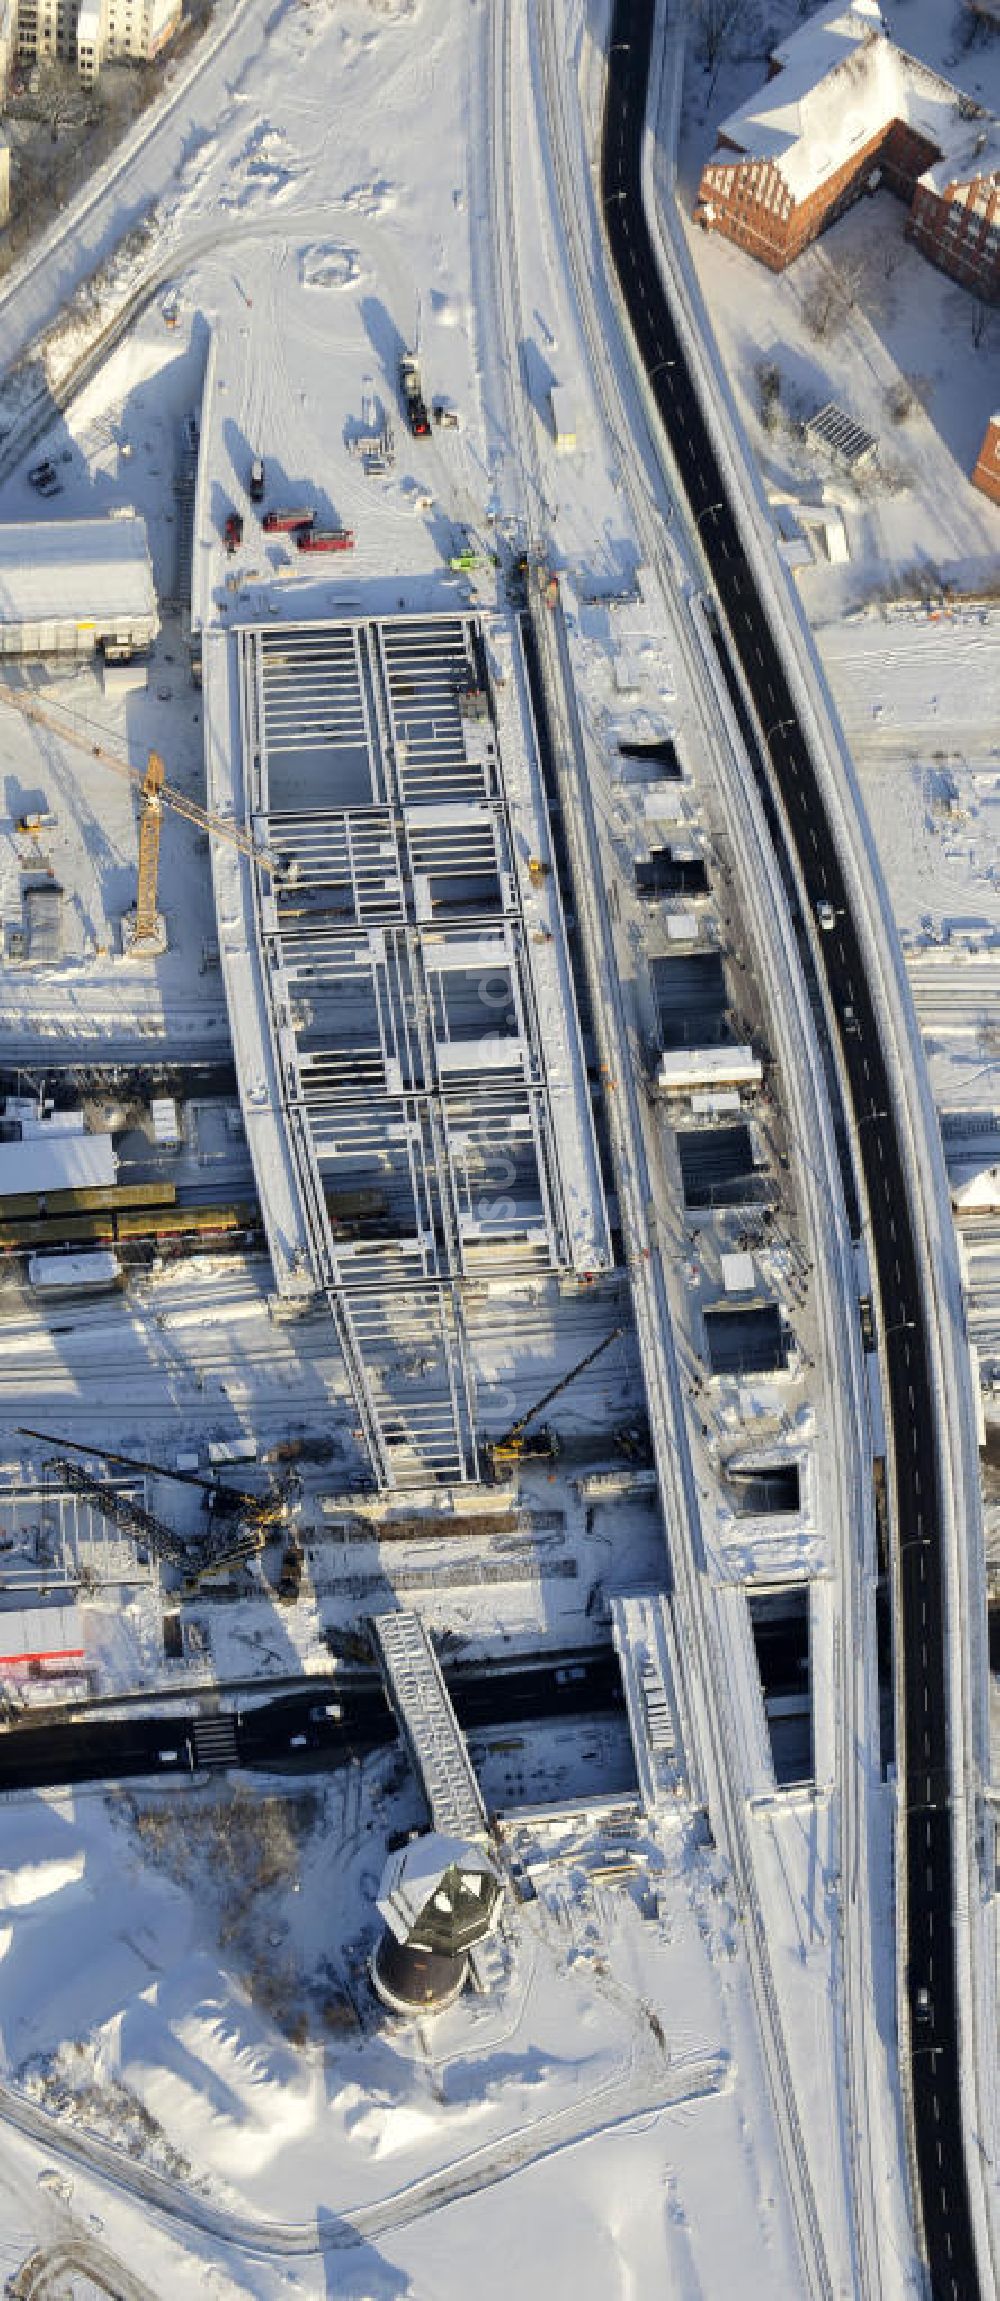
[(150, 781), (563, 1384), (229, 1501), (223, 1548), (129, 1516)]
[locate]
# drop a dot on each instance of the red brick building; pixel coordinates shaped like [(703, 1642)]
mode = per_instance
[(987, 472), (845, 112)]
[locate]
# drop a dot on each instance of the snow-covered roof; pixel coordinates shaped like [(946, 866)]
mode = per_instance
[(830, 34), (88, 570), (973, 152), (70, 1162), (38, 1633), (414, 1872), (841, 81)]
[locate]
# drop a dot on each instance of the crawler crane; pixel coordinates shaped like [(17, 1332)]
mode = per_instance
[(239, 1525), (519, 1444)]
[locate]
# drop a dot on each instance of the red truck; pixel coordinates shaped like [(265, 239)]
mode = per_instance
[(233, 531), (286, 522), (326, 539)]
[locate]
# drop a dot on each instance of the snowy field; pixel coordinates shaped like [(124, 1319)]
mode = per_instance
[(221, 2027)]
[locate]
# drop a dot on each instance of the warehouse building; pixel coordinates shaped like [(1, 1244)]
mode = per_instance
[(73, 586), (31, 1173), (845, 111)]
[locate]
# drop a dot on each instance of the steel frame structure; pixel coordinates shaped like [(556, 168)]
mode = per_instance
[(402, 1006)]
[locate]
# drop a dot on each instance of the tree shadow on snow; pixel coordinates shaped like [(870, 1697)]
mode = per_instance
[(353, 2270)]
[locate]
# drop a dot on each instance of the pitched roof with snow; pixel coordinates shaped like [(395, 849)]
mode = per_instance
[(972, 154), (841, 81)]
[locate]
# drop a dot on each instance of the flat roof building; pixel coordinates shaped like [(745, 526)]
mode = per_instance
[(68, 586), (33, 1170), (40, 1634)]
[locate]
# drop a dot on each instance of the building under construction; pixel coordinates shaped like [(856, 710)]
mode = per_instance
[(415, 1025)]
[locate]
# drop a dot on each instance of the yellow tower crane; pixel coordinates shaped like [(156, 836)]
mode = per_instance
[(148, 925), (155, 793)]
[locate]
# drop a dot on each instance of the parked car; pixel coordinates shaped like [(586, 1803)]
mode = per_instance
[(41, 474)]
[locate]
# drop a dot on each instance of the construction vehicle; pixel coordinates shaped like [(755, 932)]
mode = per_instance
[(233, 531), (239, 1527), (325, 539), (414, 402), (263, 1510), (290, 1571), (225, 1547), (155, 794), (288, 522), (519, 1444), (256, 485)]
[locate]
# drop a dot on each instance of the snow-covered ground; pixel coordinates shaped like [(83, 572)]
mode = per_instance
[(916, 522), (220, 2025), (914, 672), (609, 2106)]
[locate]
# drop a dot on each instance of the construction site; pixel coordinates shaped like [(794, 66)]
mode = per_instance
[(305, 1151)]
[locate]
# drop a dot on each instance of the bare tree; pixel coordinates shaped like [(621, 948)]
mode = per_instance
[(716, 22), (835, 288), (769, 390)]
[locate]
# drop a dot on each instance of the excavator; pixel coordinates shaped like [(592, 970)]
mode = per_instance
[(519, 1444)]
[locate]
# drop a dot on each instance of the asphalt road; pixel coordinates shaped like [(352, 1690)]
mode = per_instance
[(789, 778), (332, 1719)]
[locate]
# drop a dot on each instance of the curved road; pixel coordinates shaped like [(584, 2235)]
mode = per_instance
[(788, 774)]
